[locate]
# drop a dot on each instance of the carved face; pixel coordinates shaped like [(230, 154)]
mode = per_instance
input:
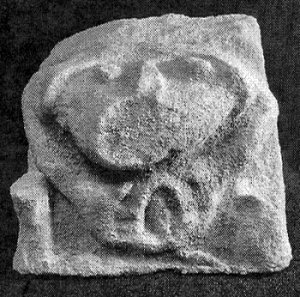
[(155, 143), (159, 136)]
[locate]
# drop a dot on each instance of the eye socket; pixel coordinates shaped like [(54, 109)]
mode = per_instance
[(181, 69), (99, 76), (86, 78)]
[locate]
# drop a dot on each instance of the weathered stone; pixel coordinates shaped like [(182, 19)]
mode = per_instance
[(153, 145)]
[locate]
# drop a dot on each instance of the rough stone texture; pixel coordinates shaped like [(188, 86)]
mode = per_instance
[(153, 145)]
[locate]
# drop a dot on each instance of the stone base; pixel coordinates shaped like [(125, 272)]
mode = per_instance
[(66, 247)]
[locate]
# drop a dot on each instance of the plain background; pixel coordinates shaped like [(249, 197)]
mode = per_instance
[(29, 29)]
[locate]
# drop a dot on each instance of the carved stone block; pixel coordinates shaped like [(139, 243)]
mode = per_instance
[(153, 145)]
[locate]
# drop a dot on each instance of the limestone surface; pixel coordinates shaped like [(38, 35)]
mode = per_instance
[(153, 145)]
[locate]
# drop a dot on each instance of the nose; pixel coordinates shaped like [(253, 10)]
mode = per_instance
[(151, 81)]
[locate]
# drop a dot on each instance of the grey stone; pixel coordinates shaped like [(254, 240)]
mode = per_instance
[(153, 145)]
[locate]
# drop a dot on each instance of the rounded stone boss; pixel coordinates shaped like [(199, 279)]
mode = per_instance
[(153, 145)]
